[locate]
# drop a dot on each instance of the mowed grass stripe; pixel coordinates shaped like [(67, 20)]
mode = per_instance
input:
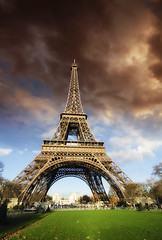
[(99, 224)]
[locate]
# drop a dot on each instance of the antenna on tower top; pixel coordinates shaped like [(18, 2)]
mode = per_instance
[(74, 61)]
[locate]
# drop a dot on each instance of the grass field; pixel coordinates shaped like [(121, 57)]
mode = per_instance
[(97, 225), (18, 222)]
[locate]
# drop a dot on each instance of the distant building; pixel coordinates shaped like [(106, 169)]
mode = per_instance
[(57, 198), (64, 202), (74, 197)]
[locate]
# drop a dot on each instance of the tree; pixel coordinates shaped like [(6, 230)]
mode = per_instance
[(132, 192), (113, 198), (157, 170), (85, 199), (9, 189), (156, 186), (48, 198), (156, 191), (1, 169), (113, 201), (1, 180), (3, 212), (3, 205)]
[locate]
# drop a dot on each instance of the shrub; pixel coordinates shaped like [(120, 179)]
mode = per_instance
[(140, 207)]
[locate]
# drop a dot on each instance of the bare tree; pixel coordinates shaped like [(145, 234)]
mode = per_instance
[(132, 192), (9, 189), (155, 190), (157, 170), (156, 186), (1, 168)]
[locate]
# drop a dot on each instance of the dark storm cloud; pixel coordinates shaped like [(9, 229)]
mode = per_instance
[(155, 41), (111, 40)]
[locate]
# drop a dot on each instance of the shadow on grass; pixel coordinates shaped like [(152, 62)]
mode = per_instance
[(18, 222)]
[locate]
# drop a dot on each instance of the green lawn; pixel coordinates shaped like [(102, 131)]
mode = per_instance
[(97, 224), (19, 222)]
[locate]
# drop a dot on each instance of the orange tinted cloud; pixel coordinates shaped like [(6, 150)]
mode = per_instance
[(118, 46)]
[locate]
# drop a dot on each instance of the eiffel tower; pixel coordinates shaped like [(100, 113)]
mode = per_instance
[(61, 157)]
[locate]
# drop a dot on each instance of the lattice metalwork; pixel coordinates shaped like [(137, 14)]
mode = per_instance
[(73, 125), (74, 104), (60, 157)]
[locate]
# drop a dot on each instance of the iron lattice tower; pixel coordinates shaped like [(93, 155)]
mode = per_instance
[(84, 158)]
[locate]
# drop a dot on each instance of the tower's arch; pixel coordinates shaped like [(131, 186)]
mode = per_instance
[(89, 170)]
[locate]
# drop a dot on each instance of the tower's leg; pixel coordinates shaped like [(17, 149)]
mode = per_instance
[(96, 186)]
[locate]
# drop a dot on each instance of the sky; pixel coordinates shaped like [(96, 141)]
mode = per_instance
[(118, 47)]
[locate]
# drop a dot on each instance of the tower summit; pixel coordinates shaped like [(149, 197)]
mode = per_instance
[(74, 104), (84, 157)]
